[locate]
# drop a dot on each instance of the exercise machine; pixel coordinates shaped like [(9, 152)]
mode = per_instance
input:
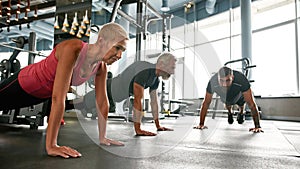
[(12, 65), (33, 115), (182, 107)]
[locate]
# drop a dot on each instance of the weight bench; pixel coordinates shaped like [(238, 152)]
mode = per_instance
[(32, 116), (182, 105)]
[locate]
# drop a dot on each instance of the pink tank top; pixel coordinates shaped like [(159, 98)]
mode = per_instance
[(76, 78), (37, 79)]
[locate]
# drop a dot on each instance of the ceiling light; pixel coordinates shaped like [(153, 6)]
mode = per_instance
[(165, 6), (80, 30), (9, 5), (8, 19), (17, 17), (83, 25), (1, 9), (88, 30), (72, 32), (78, 35), (26, 15), (8, 8), (56, 25), (75, 20), (19, 3), (73, 27), (66, 24), (188, 6), (28, 6), (64, 29), (35, 12), (86, 18), (18, 10)]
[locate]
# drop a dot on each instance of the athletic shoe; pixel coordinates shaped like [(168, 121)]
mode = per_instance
[(230, 118), (62, 122), (240, 118)]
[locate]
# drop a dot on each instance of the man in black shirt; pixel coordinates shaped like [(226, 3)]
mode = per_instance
[(233, 88), (139, 76)]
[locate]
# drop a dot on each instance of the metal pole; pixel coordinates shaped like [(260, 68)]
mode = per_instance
[(164, 48), (297, 44), (164, 34), (246, 30), (126, 24), (184, 49), (128, 18), (31, 47), (139, 11), (22, 50), (169, 36), (115, 10), (152, 9), (230, 29)]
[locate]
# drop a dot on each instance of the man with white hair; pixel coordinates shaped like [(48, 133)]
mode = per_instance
[(135, 79)]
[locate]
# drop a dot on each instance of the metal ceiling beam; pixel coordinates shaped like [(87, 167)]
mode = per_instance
[(41, 6), (152, 9), (128, 2), (32, 8), (129, 18), (30, 19), (73, 7), (26, 31)]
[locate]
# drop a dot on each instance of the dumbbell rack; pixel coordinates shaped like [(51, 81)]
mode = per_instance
[(26, 116)]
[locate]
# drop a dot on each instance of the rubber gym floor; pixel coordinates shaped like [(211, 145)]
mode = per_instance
[(220, 146)]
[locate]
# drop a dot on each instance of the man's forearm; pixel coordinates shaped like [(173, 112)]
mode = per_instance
[(256, 118), (248, 97), (137, 115), (154, 108), (203, 112), (137, 118), (156, 119)]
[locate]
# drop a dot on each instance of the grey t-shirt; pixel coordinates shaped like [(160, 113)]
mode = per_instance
[(239, 85), (140, 72)]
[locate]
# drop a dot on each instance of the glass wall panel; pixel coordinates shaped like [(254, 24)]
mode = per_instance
[(266, 13), (275, 57)]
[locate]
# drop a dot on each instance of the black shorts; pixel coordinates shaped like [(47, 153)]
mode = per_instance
[(12, 95), (240, 102)]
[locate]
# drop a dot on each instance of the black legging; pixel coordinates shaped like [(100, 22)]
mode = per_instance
[(112, 105), (89, 99), (88, 102), (12, 95)]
